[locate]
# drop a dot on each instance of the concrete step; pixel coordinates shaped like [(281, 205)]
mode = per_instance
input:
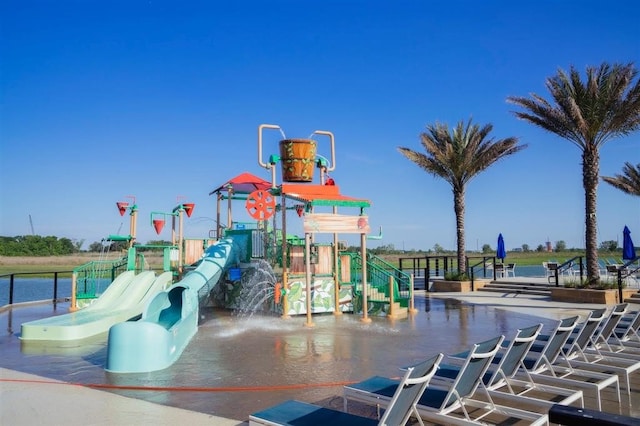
[(539, 289), (516, 291), (512, 286), (398, 312), (379, 297), (635, 298), (540, 283)]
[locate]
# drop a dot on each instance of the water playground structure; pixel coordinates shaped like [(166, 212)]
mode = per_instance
[(241, 264)]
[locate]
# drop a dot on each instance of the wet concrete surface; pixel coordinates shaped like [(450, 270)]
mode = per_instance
[(235, 366)]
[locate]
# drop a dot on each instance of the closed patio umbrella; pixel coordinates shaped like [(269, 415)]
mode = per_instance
[(628, 251), (501, 253)]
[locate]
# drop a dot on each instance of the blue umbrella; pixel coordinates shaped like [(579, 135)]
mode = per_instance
[(628, 251), (501, 253)]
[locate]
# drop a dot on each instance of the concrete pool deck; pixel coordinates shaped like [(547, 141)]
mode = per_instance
[(27, 399)]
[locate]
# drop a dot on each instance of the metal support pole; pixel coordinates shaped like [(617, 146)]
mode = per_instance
[(391, 300), (55, 287), (74, 290), (307, 265), (336, 277), (11, 278), (363, 254), (412, 305)]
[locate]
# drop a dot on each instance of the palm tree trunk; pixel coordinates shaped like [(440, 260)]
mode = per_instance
[(458, 206), (590, 172)]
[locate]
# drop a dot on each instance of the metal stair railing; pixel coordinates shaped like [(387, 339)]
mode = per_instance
[(94, 277), (378, 273)]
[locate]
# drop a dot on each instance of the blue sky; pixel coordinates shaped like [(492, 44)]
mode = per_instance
[(162, 100)]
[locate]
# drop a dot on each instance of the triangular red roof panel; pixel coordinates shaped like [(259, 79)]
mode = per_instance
[(244, 183)]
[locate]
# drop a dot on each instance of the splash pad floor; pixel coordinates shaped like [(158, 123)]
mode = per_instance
[(235, 366)]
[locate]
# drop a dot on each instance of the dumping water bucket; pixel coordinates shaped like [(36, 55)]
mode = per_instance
[(298, 159)]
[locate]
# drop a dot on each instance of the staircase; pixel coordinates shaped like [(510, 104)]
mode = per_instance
[(396, 311), (532, 286), (529, 287), (379, 275), (635, 298)]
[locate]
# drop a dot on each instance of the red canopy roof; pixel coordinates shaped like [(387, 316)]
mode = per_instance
[(244, 183)]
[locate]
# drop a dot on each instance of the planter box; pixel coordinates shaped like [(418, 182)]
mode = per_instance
[(457, 286), (587, 295)]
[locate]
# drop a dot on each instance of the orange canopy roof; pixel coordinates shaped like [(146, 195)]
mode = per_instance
[(320, 195)]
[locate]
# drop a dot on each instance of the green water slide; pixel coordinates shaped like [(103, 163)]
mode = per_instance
[(123, 300)]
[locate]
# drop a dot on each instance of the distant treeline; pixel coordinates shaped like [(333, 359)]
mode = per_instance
[(36, 245)]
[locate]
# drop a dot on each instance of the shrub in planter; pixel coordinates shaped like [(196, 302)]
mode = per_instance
[(456, 276)]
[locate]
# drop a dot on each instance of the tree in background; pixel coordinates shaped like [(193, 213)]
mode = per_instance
[(486, 248), (588, 114), (525, 248), (561, 246), (96, 247), (610, 245), (628, 182), (437, 248), (457, 156), (36, 245)]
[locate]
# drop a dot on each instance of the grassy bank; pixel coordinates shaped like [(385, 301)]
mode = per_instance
[(17, 264), (41, 264)]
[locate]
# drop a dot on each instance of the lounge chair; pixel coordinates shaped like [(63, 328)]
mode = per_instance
[(628, 330), (581, 336), (612, 334), (541, 366), (602, 267), (443, 403), (615, 339), (500, 382), (400, 408), (578, 355)]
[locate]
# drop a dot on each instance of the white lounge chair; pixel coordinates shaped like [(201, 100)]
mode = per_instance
[(400, 408), (448, 403), (541, 366), (500, 382)]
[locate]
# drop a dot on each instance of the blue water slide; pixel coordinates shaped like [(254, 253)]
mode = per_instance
[(170, 319)]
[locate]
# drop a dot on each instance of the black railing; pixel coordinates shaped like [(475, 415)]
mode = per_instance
[(556, 269), (428, 266), (378, 273), (481, 265), (624, 271), (438, 266), (12, 280)]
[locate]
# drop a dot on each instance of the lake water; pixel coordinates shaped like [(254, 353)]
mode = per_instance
[(30, 289)]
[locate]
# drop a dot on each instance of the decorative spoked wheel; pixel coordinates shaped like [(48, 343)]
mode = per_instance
[(261, 205)]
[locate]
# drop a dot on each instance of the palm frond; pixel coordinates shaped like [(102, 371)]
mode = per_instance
[(628, 182)]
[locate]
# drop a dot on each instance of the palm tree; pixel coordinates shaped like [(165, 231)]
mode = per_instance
[(588, 114), (628, 182), (457, 156)]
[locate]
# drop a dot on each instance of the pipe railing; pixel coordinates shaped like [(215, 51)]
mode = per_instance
[(625, 270), (12, 282), (558, 269)]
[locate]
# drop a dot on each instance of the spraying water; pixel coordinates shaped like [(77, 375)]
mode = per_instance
[(257, 289)]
